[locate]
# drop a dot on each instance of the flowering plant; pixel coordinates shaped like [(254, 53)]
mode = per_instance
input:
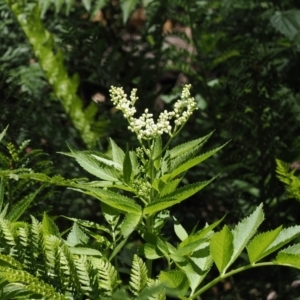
[(136, 188)]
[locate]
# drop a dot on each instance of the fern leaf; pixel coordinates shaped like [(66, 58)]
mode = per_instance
[(138, 276)]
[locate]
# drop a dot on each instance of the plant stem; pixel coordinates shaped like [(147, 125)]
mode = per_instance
[(233, 272)]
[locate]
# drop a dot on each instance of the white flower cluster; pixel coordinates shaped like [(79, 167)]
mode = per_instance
[(144, 126)]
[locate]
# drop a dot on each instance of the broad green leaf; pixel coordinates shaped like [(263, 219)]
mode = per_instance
[(87, 4), (197, 266), (175, 282), (175, 197), (290, 256), (260, 243), (76, 236), (288, 23), (156, 152), (49, 227), (150, 251), (19, 208), (2, 134), (183, 148), (115, 200), (128, 7), (179, 230), (130, 223), (221, 248), (285, 236), (107, 162), (244, 231), (194, 161), (118, 154), (127, 167)]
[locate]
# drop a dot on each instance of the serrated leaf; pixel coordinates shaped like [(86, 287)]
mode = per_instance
[(183, 148), (115, 200), (290, 256), (169, 187), (244, 231), (104, 169), (127, 167), (197, 266), (49, 227), (19, 208), (194, 161), (118, 154), (130, 223), (179, 230), (77, 236), (285, 236), (260, 243), (221, 248), (175, 197), (128, 7)]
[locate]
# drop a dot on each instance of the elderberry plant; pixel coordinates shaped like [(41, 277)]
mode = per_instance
[(136, 188)]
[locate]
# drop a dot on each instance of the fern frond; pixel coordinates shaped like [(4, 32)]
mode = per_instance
[(138, 276)]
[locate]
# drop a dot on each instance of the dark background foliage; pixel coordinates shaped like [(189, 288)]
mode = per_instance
[(245, 77)]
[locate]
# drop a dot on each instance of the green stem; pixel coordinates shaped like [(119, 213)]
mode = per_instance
[(233, 272)]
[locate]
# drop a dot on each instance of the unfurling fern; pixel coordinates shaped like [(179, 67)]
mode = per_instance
[(286, 175)]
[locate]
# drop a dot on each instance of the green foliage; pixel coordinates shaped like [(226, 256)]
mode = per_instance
[(286, 175)]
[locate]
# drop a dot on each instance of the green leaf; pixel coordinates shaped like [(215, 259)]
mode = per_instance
[(77, 236), (19, 208), (285, 236), (169, 187), (128, 7), (100, 167), (115, 200), (175, 197), (118, 154), (179, 230), (260, 243), (85, 251), (138, 276), (175, 282), (150, 251), (49, 227), (244, 231), (288, 23), (290, 256), (87, 4), (183, 148), (194, 161), (127, 167), (192, 242), (3, 133), (221, 248), (130, 223)]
